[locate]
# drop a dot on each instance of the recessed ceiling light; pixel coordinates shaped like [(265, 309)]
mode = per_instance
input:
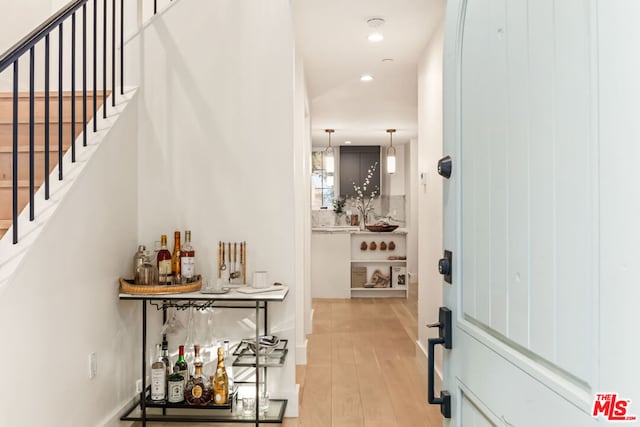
[(366, 78), (375, 37), (347, 142), (387, 60), (375, 22)]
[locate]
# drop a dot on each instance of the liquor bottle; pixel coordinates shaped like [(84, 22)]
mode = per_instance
[(175, 258), (164, 262), (198, 390), (158, 378), (181, 366), (229, 366), (138, 260), (165, 357), (220, 381), (187, 259), (175, 390)]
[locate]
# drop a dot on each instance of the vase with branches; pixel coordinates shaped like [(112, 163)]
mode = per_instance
[(363, 200)]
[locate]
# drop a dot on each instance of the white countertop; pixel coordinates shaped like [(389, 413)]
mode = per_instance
[(354, 230), (232, 295)]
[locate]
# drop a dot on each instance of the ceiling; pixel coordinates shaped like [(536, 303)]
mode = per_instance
[(332, 35)]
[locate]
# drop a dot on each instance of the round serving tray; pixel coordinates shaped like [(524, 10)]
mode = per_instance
[(128, 286)]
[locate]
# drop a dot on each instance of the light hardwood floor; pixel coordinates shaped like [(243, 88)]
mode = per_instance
[(362, 369)]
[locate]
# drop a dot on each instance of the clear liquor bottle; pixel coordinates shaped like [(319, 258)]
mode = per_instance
[(158, 377)]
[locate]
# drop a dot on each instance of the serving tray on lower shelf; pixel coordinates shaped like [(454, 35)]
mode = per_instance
[(245, 357)]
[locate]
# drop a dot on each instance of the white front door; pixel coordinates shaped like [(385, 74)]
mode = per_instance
[(542, 211)]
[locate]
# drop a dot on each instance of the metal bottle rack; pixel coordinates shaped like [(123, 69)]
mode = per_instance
[(142, 411)]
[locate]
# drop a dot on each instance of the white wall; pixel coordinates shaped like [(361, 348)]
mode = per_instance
[(411, 184), (61, 303), (216, 142), (302, 206), (430, 195)]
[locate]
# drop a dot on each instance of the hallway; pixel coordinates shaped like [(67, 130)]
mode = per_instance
[(362, 368)]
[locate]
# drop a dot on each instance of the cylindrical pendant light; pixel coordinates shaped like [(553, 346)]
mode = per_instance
[(391, 154), (329, 158)]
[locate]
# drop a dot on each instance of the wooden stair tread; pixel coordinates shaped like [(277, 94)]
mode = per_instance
[(8, 183), (38, 148)]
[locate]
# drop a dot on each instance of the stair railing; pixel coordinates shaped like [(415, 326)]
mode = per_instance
[(28, 46)]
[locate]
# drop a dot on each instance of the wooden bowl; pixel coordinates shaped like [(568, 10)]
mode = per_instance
[(381, 228)]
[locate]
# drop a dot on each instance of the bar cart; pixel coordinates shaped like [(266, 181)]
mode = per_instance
[(143, 410)]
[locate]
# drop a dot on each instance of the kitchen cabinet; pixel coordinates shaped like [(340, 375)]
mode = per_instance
[(143, 410), (378, 260), (335, 255), (330, 267), (354, 165)]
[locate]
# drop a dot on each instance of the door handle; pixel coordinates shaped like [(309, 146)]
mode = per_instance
[(445, 339)]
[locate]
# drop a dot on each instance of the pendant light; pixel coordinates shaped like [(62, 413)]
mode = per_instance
[(329, 158), (391, 154)]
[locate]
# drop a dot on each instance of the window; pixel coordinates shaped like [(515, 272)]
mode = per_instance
[(322, 185)]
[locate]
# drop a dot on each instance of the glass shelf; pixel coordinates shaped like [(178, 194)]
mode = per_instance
[(275, 414), (245, 357)]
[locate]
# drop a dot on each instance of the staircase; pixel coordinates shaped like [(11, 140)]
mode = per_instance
[(6, 143)]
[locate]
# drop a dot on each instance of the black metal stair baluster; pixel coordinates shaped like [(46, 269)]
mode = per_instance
[(155, 6), (95, 65), (32, 148), (113, 53), (121, 47), (47, 118), (60, 123), (15, 153), (73, 87), (104, 60), (84, 75)]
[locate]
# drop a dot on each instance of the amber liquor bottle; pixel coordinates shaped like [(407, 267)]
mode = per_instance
[(187, 259), (198, 391), (175, 258), (164, 262), (220, 381)]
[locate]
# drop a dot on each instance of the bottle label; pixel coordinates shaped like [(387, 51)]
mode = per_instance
[(218, 398), (176, 391), (188, 267), (196, 391), (158, 384), (164, 270)]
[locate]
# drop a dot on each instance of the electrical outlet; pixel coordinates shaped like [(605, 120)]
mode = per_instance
[(139, 386), (93, 365)]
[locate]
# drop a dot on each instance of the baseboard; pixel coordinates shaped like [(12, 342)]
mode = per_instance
[(422, 356), (301, 353), (310, 324)]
